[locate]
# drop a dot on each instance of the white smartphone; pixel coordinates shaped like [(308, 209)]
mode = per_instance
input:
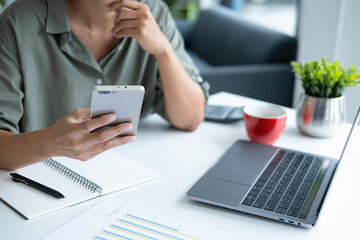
[(124, 101)]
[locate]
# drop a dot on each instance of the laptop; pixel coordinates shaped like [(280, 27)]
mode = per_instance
[(281, 184)]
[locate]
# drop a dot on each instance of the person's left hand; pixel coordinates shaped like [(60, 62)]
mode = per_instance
[(135, 20)]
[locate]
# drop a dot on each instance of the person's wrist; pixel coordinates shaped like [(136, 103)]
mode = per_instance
[(164, 53), (47, 143)]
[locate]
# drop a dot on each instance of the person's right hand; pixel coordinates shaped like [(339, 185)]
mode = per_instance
[(74, 136)]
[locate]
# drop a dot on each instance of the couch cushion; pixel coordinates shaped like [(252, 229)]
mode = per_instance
[(268, 82), (222, 37)]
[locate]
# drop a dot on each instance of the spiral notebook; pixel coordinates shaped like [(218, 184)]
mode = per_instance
[(77, 181)]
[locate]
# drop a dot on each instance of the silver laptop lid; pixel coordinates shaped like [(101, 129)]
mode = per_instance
[(355, 123)]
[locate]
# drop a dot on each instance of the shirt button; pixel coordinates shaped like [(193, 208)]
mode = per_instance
[(99, 81)]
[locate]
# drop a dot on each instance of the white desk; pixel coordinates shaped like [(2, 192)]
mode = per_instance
[(181, 158)]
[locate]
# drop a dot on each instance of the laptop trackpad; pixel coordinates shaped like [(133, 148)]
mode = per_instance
[(219, 191), (242, 162)]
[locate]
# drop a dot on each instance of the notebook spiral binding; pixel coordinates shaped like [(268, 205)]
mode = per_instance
[(74, 176)]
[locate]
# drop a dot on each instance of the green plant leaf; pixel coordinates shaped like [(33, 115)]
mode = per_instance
[(324, 78)]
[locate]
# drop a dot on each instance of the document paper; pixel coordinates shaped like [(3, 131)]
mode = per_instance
[(118, 219)]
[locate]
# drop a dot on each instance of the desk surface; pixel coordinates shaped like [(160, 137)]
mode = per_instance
[(181, 158)]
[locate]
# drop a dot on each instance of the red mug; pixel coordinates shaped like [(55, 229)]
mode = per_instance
[(264, 123)]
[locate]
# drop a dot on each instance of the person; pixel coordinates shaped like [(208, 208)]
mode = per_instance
[(53, 52)]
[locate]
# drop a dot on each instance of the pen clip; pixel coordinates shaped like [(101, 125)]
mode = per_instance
[(19, 180), (15, 179)]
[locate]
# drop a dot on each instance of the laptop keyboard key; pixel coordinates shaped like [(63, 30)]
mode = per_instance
[(260, 202), (260, 183), (268, 171), (268, 190), (254, 192), (293, 212), (247, 202), (257, 188), (250, 197), (265, 194), (284, 205), (270, 206), (274, 199), (281, 210)]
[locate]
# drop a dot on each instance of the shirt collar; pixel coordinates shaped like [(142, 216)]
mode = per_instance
[(57, 17)]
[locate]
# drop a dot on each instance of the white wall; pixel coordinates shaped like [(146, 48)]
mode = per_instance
[(204, 4), (330, 29)]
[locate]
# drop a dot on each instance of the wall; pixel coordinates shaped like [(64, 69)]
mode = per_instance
[(330, 29), (204, 4)]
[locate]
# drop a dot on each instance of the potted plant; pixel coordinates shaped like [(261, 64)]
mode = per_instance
[(320, 111)]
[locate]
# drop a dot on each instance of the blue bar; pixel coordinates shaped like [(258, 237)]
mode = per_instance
[(133, 232), (117, 235), (152, 222), (152, 230), (99, 238)]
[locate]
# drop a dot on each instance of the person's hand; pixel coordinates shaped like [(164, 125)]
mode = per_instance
[(74, 136), (135, 20)]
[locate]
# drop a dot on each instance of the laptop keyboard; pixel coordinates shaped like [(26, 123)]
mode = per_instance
[(218, 111), (284, 187)]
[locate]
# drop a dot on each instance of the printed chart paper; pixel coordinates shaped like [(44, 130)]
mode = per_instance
[(118, 219)]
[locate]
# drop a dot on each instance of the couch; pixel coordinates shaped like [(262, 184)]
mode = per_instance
[(241, 57)]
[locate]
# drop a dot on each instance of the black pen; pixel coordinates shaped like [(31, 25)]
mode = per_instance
[(18, 178)]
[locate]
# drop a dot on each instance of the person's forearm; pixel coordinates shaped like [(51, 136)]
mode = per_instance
[(184, 98), (19, 150)]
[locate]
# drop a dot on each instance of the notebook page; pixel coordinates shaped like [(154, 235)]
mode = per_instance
[(31, 202), (111, 170)]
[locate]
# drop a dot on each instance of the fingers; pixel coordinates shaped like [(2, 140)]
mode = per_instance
[(100, 141), (95, 123), (127, 14), (81, 115), (74, 135), (115, 142), (132, 33), (105, 135), (102, 147), (125, 25), (118, 5)]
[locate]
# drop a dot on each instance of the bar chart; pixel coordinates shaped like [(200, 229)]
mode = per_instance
[(117, 219)]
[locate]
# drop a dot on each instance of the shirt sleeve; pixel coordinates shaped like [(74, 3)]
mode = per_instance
[(170, 30), (11, 94)]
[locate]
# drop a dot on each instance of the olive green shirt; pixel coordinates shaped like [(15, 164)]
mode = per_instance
[(46, 72)]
